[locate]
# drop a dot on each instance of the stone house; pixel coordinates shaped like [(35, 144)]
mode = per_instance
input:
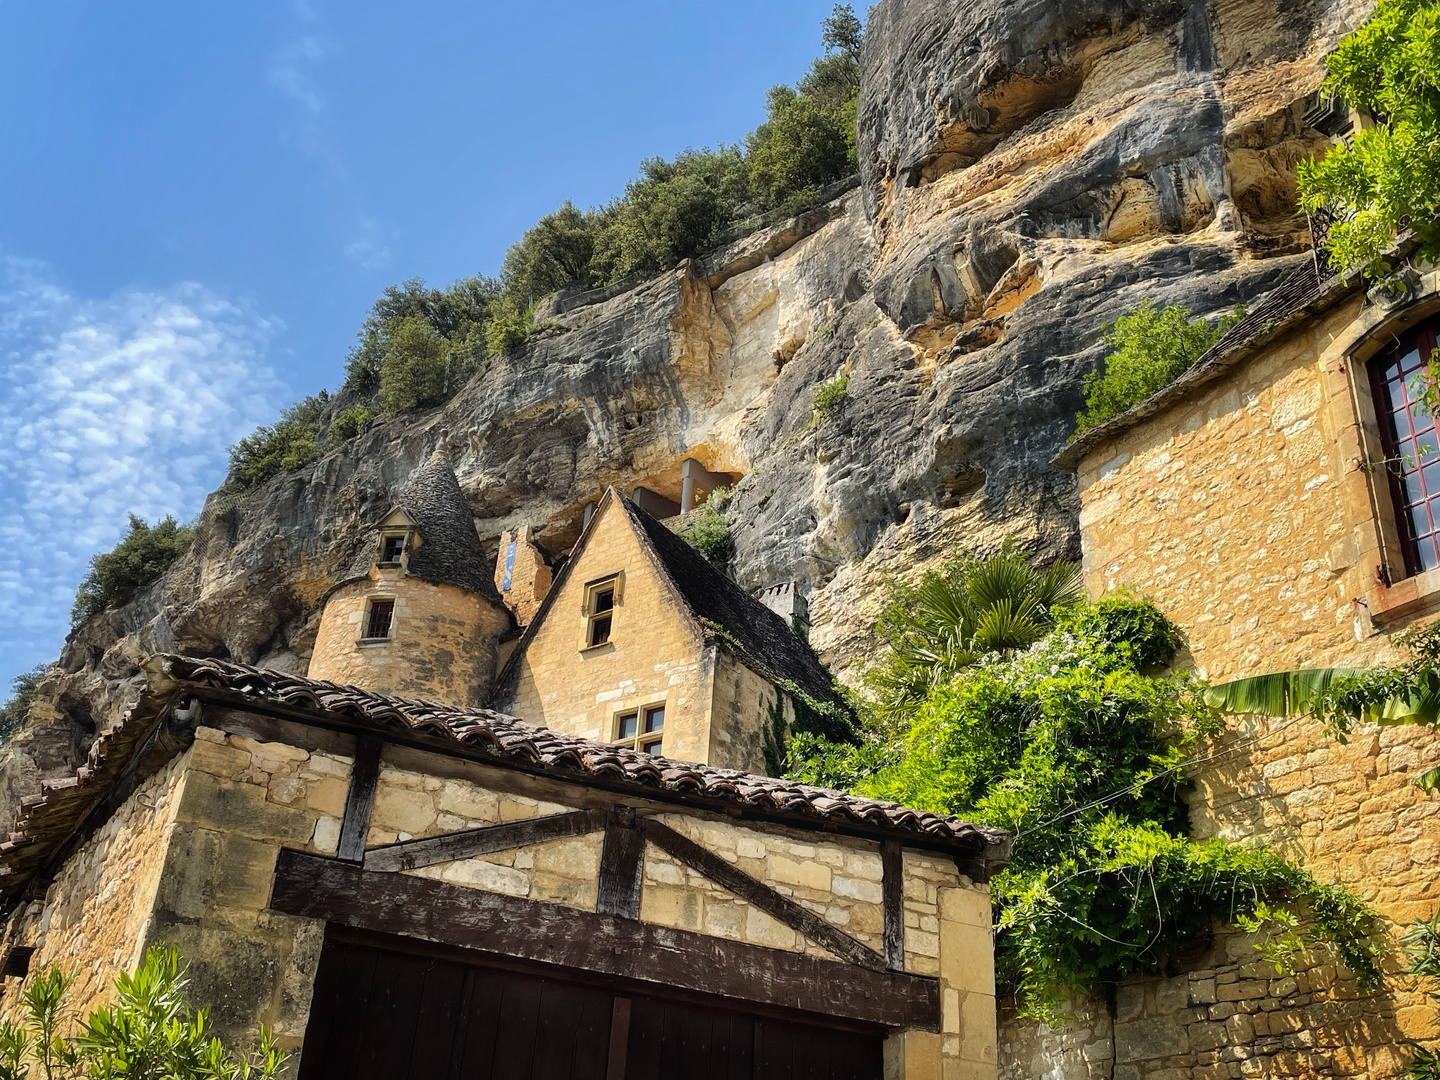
[(1280, 503), (640, 640), (399, 888), (417, 612)]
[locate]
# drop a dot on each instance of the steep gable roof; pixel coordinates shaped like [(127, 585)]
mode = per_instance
[(717, 609), (450, 552)]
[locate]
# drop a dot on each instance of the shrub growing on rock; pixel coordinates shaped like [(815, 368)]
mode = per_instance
[(22, 696), (1388, 177), (708, 532), (831, 397), (1150, 348), (289, 443), (141, 557), (349, 423)]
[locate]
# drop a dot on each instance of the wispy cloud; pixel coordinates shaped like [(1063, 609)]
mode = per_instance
[(108, 407), (296, 71), (294, 66)]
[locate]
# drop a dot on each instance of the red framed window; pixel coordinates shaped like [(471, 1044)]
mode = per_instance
[(1412, 444)]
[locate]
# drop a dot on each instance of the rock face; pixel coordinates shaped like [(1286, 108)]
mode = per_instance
[(1030, 171)]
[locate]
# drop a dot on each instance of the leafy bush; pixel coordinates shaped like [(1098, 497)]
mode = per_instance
[(349, 423), (22, 696), (1422, 949), (1150, 348), (150, 1033), (803, 145), (708, 532), (141, 557), (289, 443), (832, 396), (1081, 756), (1388, 177), (507, 331)]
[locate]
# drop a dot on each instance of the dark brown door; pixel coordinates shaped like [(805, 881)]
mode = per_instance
[(378, 1013)]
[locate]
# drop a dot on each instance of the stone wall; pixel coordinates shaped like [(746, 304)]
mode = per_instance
[(442, 641), (95, 916), (1244, 513), (740, 714)]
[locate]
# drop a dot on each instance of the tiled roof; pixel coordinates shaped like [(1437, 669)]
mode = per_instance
[(49, 820), (450, 551), (764, 639)]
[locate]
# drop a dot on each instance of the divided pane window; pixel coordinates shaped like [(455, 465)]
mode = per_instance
[(642, 729), (600, 615), (1412, 444), (377, 625), (391, 549)]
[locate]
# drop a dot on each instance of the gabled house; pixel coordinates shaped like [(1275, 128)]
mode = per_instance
[(640, 641), (403, 890)]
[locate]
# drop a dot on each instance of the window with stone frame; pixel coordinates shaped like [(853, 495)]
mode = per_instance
[(392, 546), (379, 617), (641, 729), (600, 600), (1411, 442)]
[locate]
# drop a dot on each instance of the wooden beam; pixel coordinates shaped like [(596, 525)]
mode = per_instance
[(892, 869), (650, 957), (622, 864), (756, 892), (364, 775), (413, 854)]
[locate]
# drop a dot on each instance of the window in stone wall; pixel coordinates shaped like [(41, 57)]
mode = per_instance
[(600, 600), (378, 619), (1412, 444), (641, 729), (391, 548)]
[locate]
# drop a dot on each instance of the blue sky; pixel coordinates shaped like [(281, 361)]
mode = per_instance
[(199, 201)]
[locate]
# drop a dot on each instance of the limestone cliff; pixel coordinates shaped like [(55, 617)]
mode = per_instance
[(1030, 171)]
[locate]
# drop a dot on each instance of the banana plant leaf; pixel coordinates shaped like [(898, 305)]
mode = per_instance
[(1280, 693)]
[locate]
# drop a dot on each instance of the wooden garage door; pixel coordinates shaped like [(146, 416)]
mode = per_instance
[(382, 1014)]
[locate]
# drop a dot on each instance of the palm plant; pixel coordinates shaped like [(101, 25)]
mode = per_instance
[(1342, 697), (968, 609)]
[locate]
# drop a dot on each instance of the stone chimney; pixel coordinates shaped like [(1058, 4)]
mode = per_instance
[(787, 601), (521, 574)]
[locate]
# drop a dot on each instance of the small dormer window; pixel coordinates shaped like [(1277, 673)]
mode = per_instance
[(391, 548)]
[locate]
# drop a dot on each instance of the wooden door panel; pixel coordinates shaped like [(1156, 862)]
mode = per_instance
[(378, 1014)]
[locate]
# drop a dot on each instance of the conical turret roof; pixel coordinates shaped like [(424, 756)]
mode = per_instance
[(449, 552)]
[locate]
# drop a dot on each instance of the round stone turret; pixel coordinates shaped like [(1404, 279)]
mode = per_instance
[(417, 614)]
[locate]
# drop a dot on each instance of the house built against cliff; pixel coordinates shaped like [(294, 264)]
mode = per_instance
[(1280, 503)]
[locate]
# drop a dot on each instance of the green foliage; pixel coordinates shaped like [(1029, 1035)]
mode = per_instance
[(843, 32), (289, 443), (1150, 348), (142, 555), (458, 314), (150, 1033), (1388, 178), (554, 252), (508, 330), (960, 613), (22, 696), (803, 145), (831, 397), (708, 532), (418, 368), (1139, 630), (349, 423), (1080, 754), (818, 725), (1422, 948)]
